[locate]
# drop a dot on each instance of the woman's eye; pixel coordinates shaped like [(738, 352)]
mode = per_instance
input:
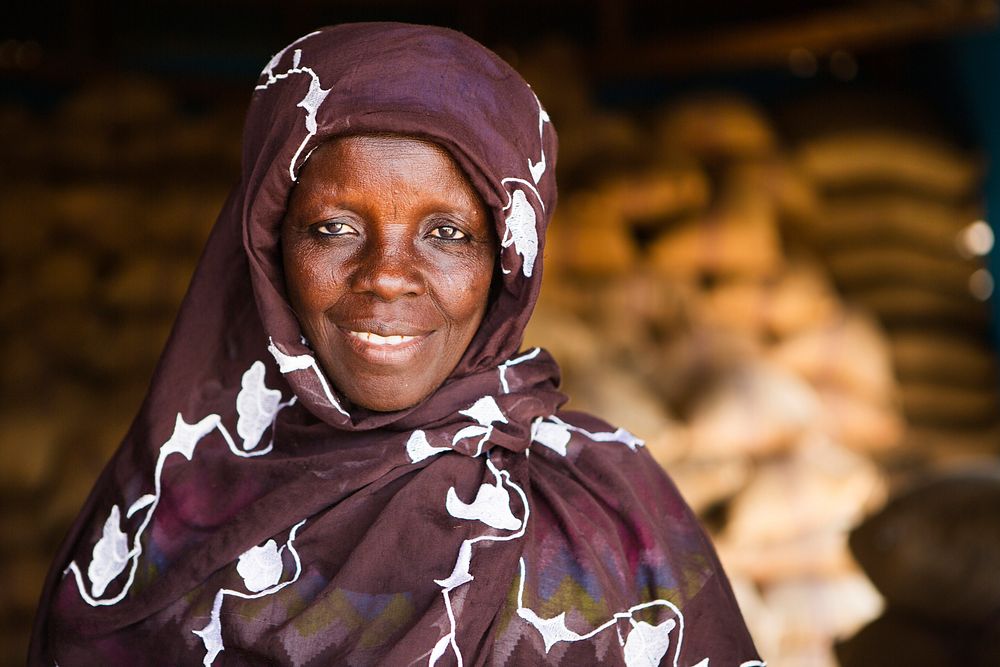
[(448, 232), (334, 229)]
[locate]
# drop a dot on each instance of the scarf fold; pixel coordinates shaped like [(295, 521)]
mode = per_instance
[(251, 516)]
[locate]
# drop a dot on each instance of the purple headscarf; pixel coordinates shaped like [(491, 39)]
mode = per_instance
[(251, 517)]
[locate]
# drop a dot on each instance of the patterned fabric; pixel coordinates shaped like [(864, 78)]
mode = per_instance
[(250, 517)]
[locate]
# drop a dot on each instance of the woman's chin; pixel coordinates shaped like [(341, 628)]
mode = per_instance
[(390, 402), (379, 390)]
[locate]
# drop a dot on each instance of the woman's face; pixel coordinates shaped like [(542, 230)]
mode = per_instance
[(388, 256)]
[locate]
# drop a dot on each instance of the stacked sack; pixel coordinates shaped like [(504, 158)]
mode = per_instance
[(902, 235), (932, 553), (677, 310), (104, 208)]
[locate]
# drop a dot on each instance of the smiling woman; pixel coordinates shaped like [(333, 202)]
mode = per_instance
[(388, 258), (345, 458)]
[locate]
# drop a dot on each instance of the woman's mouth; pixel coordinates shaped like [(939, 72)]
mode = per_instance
[(375, 339), (385, 348)]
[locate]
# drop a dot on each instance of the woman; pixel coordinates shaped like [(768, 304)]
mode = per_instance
[(343, 458)]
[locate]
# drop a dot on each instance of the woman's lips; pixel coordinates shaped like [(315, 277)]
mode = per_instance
[(375, 339), (386, 348)]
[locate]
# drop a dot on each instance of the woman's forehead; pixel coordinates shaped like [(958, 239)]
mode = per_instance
[(381, 153), (402, 165)]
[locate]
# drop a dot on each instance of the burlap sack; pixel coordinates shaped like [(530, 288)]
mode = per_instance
[(870, 158)]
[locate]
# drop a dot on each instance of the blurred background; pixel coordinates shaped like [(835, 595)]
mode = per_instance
[(773, 259)]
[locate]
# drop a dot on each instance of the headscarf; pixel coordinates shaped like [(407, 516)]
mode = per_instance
[(251, 517)]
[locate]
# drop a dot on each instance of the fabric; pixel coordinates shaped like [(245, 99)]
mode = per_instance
[(249, 518)]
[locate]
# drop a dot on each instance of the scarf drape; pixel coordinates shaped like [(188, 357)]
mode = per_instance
[(252, 517)]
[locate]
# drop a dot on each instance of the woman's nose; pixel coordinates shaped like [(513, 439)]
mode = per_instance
[(388, 270)]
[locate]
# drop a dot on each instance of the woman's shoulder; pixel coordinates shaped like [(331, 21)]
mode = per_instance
[(581, 458), (612, 511), (610, 454)]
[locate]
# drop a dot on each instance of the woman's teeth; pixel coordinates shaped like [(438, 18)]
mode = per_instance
[(375, 339)]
